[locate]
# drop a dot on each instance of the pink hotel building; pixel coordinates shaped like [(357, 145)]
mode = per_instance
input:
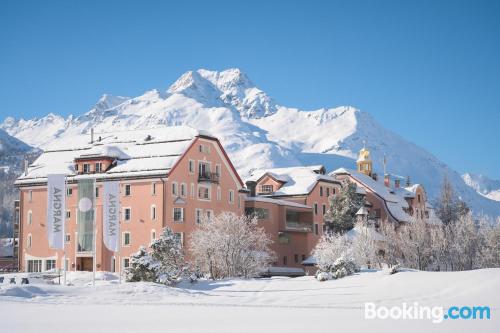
[(172, 177)]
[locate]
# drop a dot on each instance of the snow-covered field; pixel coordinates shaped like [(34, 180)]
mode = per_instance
[(258, 305)]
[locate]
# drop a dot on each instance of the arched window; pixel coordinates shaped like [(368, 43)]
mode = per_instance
[(29, 243), (30, 217)]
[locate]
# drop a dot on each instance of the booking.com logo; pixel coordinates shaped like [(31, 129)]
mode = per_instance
[(436, 313)]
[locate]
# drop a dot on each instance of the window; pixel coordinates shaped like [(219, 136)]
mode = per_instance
[(203, 170), (324, 209), (69, 191), (30, 217), (296, 258), (217, 169), (191, 166), (219, 193), (76, 167), (259, 213), (204, 149), (68, 214), (333, 191), (418, 197), (178, 214), (30, 196), (266, 188), (174, 189), (153, 189), (86, 168), (198, 214), (98, 167), (127, 214), (153, 212), (67, 238), (127, 189), (126, 238), (153, 235), (97, 192), (316, 229), (231, 196), (303, 257), (285, 260), (29, 242), (192, 190), (321, 191), (113, 264), (179, 236), (377, 213), (50, 264), (183, 190), (209, 214), (327, 191), (315, 208), (126, 262), (34, 266), (203, 193)]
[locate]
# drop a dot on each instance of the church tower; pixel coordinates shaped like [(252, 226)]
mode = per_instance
[(364, 162)]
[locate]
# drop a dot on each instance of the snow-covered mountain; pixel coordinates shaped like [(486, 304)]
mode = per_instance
[(256, 131), (12, 155), (483, 185)]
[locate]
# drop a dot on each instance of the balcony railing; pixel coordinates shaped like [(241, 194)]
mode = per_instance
[(299, 226), (208, 176)]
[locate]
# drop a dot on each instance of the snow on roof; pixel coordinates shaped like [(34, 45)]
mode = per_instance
[(277, 201), (137, 153), (394, 201), (297, 180)]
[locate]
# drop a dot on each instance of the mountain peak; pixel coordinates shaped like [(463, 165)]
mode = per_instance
[(107, 102), (231, 87)]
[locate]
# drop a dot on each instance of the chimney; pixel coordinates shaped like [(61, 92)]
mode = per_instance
[(25, 166), (92, 135), (251, 185), (387, 180)]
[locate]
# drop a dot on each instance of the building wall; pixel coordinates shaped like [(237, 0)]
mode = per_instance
[(141, 199), (291, 245)]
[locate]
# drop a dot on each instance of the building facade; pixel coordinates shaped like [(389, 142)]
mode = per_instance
[(168, 177)]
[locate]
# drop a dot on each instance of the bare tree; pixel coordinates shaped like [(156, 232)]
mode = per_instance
[(228, 245)]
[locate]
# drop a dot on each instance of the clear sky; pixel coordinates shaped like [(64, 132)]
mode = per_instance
[(428, 70)]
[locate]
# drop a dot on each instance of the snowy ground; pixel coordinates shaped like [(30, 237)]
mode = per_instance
[(257, 305)]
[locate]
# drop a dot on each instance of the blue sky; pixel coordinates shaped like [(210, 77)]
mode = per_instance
[(428, 70)]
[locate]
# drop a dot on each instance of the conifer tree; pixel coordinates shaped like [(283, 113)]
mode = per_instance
[(341, 215)]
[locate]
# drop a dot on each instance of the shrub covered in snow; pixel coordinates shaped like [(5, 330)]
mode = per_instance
[(142, 267), (343, 267), (164, 263), (228, 245)]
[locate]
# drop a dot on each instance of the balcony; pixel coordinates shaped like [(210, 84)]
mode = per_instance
[(301, 221), (208, 176)]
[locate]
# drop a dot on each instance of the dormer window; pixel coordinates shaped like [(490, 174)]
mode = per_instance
[(76, 167), (266, 188), (98, 167), (86, 168)]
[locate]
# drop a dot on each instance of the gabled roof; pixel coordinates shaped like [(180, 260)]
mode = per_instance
[(137, 153), (296, 180), (393, 201)]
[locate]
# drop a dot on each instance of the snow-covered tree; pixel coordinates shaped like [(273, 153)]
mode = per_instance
[(489, 251), (228, 245), (415, 242), (364, 245), (142, 267), (330, 248), (167, 252), (164, 263), (341, 215), (392, 248)]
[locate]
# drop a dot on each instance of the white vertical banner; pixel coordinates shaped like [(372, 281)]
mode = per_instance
[(111, 209), (56, 210)]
